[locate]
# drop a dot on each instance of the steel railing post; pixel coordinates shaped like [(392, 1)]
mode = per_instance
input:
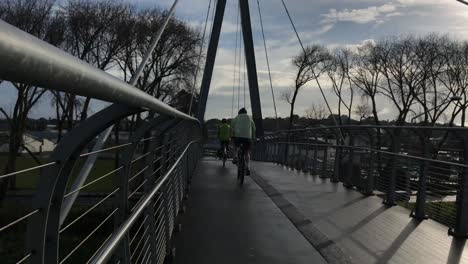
[(419, 210), (315, 158), (349, 172), (461, 224), (308, 159), (391, 188), (337, 165), (325, 160), (370, 180), (278, 149), (285, 150)]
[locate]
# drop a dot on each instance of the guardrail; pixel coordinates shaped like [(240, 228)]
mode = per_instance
[(127, 210), (424, 169), (144, 193)]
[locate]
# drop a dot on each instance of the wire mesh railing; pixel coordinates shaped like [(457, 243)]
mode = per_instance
[(421, 168)]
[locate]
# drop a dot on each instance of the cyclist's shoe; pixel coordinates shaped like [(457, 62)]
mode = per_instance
[(247, 172)]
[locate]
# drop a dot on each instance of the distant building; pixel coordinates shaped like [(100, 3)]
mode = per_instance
[(34, 144)]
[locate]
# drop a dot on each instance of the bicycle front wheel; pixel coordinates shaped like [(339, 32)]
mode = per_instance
[(241, 171)]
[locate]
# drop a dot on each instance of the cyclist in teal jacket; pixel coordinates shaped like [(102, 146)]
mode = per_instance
[(243, 132)]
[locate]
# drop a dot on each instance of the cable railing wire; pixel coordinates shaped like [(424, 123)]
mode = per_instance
[(28, 170), (22, 260), (5, 227), (88, 211), (143, 222), (104, 150), (87, 237), (442, 171), (93, 182)]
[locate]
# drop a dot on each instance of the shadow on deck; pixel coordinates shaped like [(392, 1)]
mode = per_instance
[(282, 216)]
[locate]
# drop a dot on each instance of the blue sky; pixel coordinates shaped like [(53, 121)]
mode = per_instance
[(333, 23)]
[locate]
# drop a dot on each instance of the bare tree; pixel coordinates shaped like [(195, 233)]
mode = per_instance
[(310, 65), (338, 68), (363, 111), (96, 32), (316, 112), (455, 78), (432, 95), (400, 66), (35, 17), (172, 62), (366, 76)]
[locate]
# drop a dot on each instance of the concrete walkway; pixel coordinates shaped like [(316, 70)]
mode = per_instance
[(346, 226), (227, 224)]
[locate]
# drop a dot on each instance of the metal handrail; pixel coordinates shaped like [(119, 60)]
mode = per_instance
[(464, 129), (425, 178), (27, 59), (377, 151), (110, 246)]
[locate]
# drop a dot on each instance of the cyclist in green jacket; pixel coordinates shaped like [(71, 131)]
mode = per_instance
[(243, 132), (224, 136)]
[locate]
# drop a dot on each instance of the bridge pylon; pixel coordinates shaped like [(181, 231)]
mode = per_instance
[(250, 61)]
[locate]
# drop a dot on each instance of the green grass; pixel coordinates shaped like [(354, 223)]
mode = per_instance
[(12, 240), (442, 212), (29, 180)]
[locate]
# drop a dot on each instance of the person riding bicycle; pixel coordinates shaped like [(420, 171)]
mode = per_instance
[(243, 131), (224, 136)]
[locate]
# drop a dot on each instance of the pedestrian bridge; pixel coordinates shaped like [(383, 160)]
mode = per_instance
[(341, 194)]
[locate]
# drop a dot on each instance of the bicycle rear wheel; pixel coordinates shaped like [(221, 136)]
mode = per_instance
[(241, 170)]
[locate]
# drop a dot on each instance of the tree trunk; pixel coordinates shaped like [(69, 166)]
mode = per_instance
[(84, 111), (291, 114), (71, 107), (374, 111), (463, 117)]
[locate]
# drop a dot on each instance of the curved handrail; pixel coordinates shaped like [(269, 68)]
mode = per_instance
[(27, 59)]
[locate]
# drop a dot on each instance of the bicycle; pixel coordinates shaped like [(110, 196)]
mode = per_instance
[(225, 155), (241, 164)]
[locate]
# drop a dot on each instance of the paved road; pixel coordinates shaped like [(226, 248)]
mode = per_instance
[(227, 224)]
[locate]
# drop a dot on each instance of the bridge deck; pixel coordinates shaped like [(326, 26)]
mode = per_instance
[(297, 218), (227, 224)]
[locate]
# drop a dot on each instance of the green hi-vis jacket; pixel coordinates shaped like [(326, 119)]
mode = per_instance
[(243, 127), (224, 132)]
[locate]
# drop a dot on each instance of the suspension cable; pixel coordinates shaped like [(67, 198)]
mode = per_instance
[(313, 72), (199, 59), (235, 63), (245, 74), (267, 60), (213, 16), (239, 67)]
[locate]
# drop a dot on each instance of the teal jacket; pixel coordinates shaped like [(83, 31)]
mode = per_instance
[(243, 127)]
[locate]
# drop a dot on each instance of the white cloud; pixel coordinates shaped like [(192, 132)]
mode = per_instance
[(360, 16)]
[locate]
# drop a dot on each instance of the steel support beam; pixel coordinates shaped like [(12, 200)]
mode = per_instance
[(210, 58), (251, 67)]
